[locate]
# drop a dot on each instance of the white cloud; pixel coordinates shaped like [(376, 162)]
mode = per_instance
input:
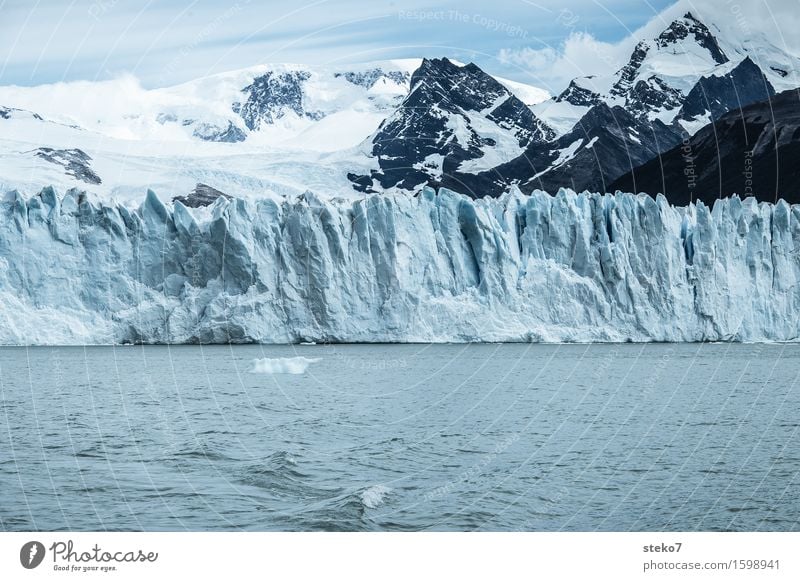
[(581, 54)]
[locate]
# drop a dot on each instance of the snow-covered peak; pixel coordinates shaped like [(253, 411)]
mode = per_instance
[(271, 129), (675, 37), (303, 107), (666, 66), (456, 118)]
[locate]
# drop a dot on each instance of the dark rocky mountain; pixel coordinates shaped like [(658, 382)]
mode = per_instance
[(606, 143), (7, 112), (644, 92), (452, 114), (627, 75), (433, 133), (750, 152), (76, 163), (577, 94), (271, 96), (211, 132), (652, 95), (680, 30), (716, 95), (201, 195), (367, 79)]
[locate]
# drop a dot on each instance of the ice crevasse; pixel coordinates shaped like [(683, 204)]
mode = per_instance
[(437, 266)]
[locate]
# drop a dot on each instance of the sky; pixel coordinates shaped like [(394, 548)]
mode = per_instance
[(165, 42)]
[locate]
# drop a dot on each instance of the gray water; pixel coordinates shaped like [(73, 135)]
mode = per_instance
[(402, 437)]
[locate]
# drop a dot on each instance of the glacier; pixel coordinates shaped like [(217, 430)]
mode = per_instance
[(435, 267)]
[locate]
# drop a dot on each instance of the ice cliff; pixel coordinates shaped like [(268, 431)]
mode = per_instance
[(435, 267)]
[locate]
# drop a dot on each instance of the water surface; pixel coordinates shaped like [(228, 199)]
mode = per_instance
[(401, 437)]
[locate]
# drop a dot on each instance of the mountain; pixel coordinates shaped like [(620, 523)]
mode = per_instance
[(320, 108), (450, 131), (605, 143), (749, 152), (670, 75), (672, 85), (715, 95), (263, 131), (344, 131), (455, 120)]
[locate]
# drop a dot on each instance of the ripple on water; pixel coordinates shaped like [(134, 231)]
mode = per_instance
[(422, 450)]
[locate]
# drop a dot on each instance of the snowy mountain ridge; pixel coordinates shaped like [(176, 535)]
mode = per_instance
[(278, 130), (663, 70)]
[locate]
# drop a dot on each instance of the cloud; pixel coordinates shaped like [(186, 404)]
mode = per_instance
[(169, 41), (581, 54), (541, 42)]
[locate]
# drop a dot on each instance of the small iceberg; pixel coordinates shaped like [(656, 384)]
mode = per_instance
[(373, 496), (291, 365)]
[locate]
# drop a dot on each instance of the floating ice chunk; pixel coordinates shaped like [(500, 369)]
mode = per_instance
[(292, 365), (373, 496)]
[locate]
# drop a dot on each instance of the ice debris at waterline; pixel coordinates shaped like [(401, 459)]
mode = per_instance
[(434, 267), (291, 365), (374, 496)]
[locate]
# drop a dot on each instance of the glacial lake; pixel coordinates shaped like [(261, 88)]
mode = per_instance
[(512, 437)]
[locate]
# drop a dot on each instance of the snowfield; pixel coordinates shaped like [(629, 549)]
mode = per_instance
[(395, 268), (310, 129)]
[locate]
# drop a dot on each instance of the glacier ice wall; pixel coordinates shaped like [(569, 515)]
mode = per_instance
[(435, 267)]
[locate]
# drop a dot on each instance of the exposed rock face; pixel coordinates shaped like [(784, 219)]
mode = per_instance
[(271, 96), (630, 71), (209, 132), (605, 144), (367, 79), (652, 94), (577, 94), (713, 96), (201, 195), (9, 112), (436, 267), (75, 162), (681, 29), (451, 116), (750, 152)]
